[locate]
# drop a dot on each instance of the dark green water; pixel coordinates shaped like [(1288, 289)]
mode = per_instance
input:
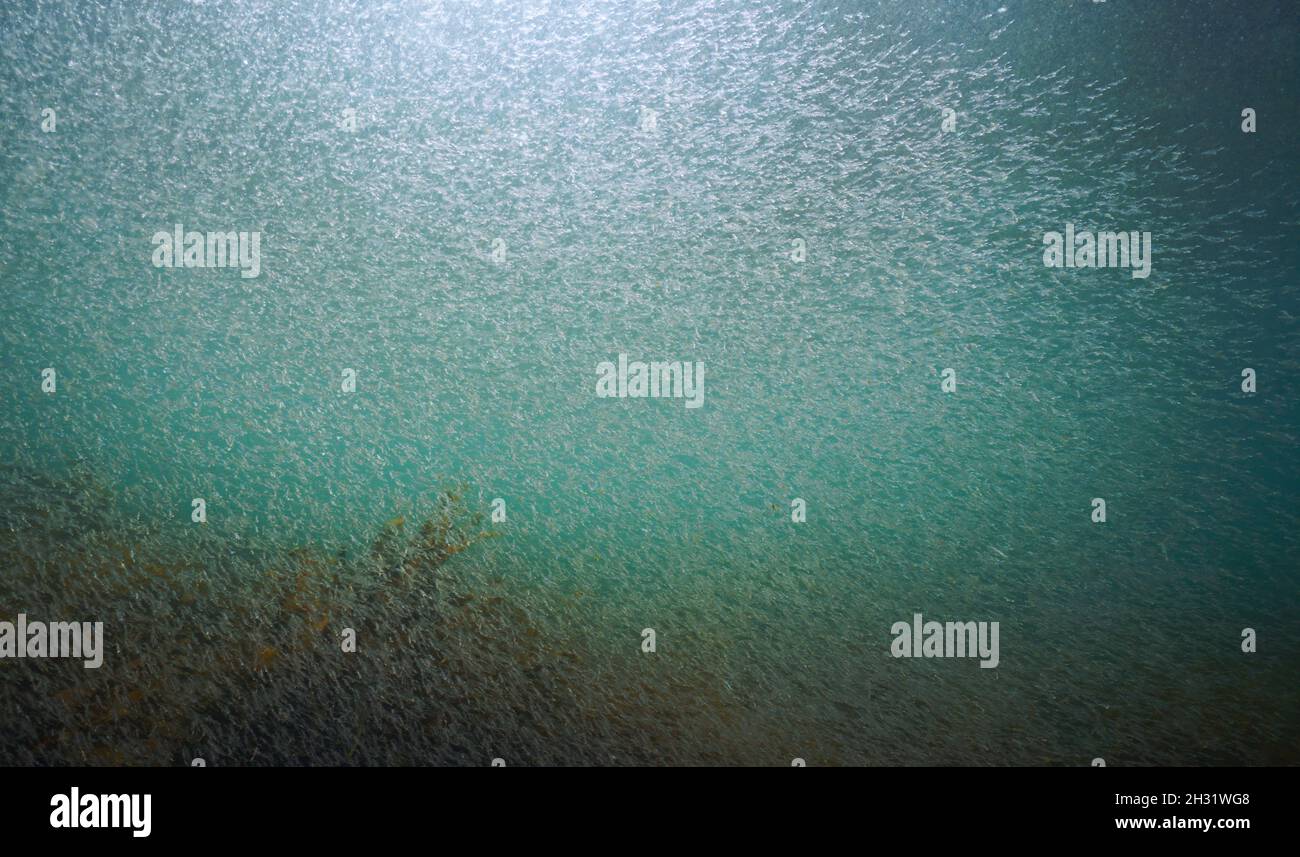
[(525, 128)]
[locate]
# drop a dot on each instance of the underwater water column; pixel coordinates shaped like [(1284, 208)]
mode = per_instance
[(632, 384)]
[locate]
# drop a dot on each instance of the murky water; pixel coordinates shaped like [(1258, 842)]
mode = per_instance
[(471, 208)]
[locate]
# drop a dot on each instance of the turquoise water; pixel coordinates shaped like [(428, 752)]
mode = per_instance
[(524, 127)]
